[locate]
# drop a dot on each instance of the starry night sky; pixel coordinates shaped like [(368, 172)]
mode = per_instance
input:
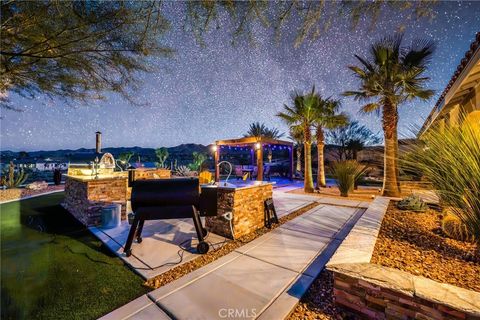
[(214, 92)]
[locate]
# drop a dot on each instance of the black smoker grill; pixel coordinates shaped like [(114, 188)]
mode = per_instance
[(170, 199)]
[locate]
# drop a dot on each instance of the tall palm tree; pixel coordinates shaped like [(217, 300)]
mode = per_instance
[(296, 135), (302, 116), (326, 117), (390, 76)]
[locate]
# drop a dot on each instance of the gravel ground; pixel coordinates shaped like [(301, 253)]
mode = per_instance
[(318, 303), (17, 193), (229, 246), (414, 242), (362, 193)]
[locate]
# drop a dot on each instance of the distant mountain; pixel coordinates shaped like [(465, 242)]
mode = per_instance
[(182, 153)]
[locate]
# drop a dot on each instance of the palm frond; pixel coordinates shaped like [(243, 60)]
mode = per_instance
[(288, 119), (338, 120), (419, 53), (370, 107), (392, 73), (358, 71), (365, 63)]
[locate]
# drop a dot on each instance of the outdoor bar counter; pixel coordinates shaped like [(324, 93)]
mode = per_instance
[(86, 195), (246, 203)]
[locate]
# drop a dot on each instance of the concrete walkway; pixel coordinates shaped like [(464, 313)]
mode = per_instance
[(170, 243), (263, 279)]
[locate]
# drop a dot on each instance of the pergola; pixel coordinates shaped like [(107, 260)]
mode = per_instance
[(256, 144)]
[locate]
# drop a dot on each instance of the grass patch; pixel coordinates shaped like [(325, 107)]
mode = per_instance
[(52, 267)]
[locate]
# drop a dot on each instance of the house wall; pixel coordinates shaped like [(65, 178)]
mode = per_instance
[(455, 116)]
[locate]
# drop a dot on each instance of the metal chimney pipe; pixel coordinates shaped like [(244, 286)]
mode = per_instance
[(98, 142)]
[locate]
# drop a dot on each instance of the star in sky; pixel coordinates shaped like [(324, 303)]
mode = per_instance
[(214, 92)]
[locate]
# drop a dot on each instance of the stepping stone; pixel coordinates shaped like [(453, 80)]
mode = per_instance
[(140, 308), (290, 249), (240, 286)]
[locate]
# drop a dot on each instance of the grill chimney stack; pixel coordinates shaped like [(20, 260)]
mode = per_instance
[(98, 142)]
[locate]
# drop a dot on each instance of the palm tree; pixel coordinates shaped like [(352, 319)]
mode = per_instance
[(259, 130), (392, 75), (296, 135), (301, 115), (350, 139), (326, 117)]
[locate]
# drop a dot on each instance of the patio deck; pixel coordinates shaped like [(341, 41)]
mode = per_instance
[(170, 243), (287, 259)]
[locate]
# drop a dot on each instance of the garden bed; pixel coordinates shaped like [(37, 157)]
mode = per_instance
[(318, 302), (362, 193), (413, 242), (20, 193)]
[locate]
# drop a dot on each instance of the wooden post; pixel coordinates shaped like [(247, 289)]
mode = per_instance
[(217, 168), (260, 163), (292, 164)]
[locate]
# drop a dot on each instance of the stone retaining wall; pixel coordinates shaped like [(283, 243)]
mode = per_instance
[(247, 207), (372, 291), (376, 292)]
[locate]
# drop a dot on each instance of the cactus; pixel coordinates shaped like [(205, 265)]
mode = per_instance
[(162, 155), (412, 203), (11, 179), (198, 160), (183, 171), (455, 229)]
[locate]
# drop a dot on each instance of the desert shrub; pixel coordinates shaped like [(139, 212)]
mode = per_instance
[(413, 203), (198, 160), (450, 161), (346, 174), (12, 179), (454, 228), (183, 171)]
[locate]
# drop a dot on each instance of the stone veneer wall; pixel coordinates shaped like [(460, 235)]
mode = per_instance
[(374, 292), (247, 207), (144, 174), (85, 199)]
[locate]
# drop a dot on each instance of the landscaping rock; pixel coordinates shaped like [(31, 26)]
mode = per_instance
[(318, 302), (410, 241), (37, 185)]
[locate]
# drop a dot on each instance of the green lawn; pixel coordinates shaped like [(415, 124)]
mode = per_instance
[(54, 268)]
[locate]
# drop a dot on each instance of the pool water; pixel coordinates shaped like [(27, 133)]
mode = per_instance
[(52, 267)]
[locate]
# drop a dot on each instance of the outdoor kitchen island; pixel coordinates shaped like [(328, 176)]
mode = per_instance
[(247, 205), (87, 195)]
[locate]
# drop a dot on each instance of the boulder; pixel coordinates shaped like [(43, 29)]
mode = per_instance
[(37, 185)]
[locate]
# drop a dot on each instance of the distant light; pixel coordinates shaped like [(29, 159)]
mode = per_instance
[(214, 148), (258, 145)]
